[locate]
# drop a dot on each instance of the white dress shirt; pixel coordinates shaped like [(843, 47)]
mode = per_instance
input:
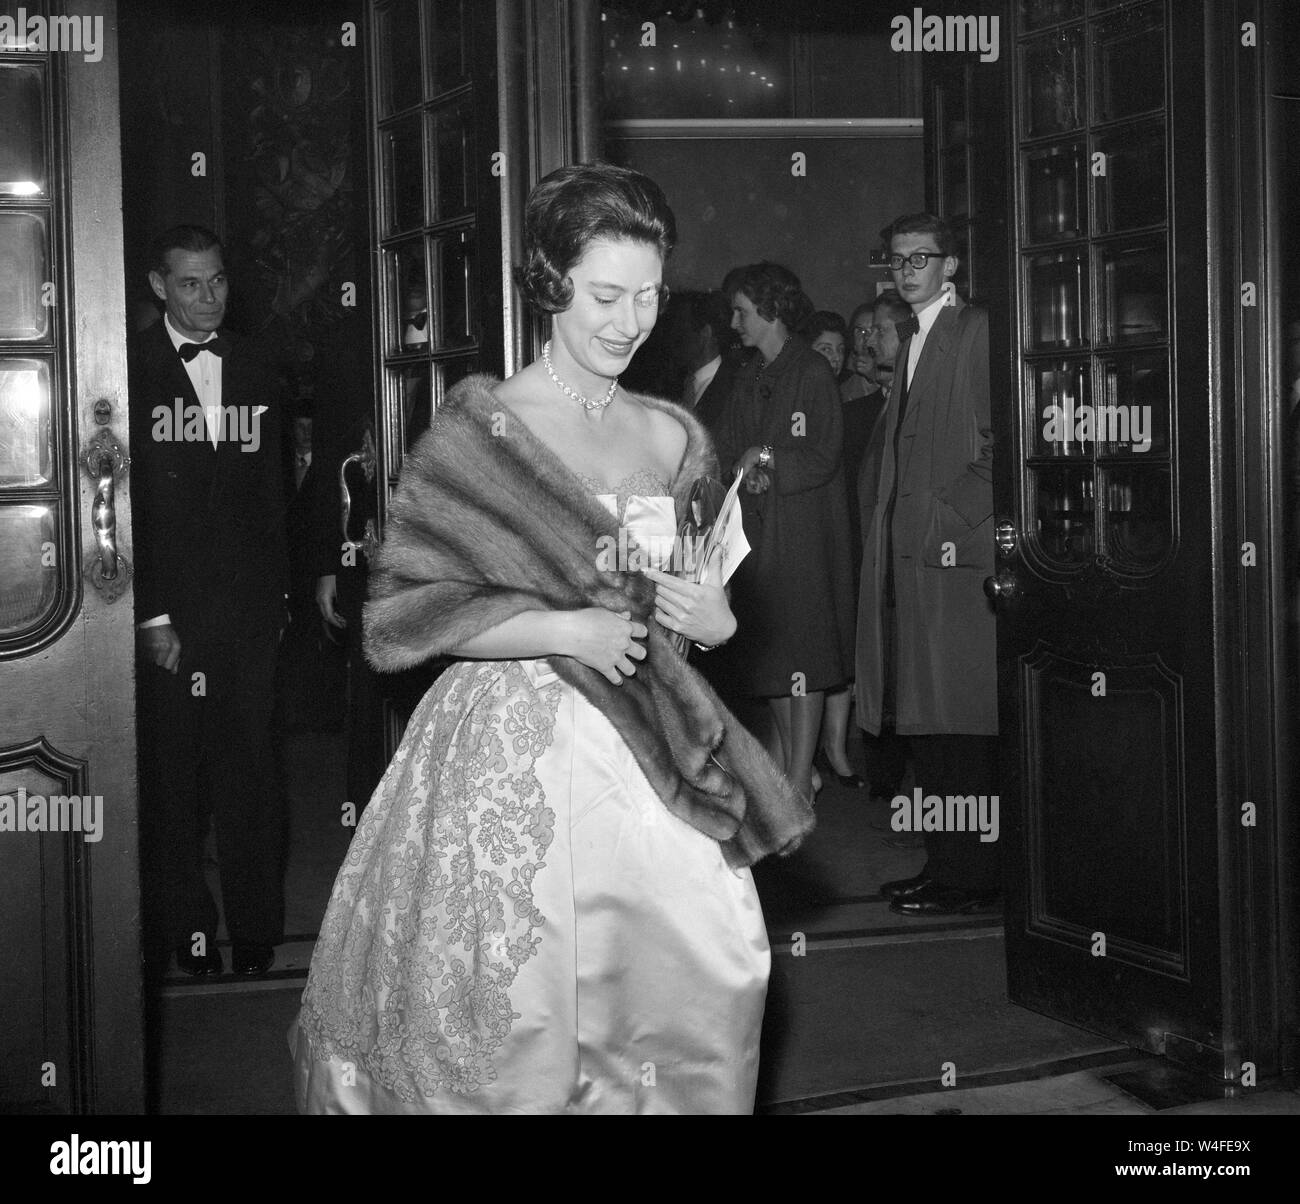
[(703, 378), (925, 319), (204, 372)]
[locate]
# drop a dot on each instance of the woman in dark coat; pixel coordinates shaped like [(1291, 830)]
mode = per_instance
[(793, 595)]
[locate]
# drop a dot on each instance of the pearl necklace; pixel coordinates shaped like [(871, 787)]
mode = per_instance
[(587, 403)]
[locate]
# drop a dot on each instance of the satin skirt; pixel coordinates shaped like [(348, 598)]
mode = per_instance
[(521, 926)]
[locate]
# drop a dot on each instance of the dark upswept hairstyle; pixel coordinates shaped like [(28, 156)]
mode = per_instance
[(945, 242), (774, 290), (893, 304), (181, 238), (824, 321), (574, 206)]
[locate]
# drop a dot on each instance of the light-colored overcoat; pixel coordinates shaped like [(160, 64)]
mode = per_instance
[(943, 541)]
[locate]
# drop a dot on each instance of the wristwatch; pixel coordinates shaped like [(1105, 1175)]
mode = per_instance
[(765, 456)]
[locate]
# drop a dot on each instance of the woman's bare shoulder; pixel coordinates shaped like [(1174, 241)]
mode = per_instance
[(662, 419)]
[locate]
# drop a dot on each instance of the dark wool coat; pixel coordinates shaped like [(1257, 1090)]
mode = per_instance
[(488, 523), (946, 649), (793, 595)]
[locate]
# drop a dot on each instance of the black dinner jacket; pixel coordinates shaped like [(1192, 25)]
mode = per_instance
[(711, 403), (209, 523)]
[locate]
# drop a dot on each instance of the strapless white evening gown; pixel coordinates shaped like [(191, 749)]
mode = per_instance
[(521, 926)]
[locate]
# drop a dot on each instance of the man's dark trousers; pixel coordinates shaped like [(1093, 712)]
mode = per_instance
[(959, 765), (208, 751)]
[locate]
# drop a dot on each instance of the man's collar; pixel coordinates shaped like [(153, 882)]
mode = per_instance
[(926, 317), (709, 370), (177, 338)]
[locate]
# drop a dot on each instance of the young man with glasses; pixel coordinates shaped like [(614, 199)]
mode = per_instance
[(926, 650)]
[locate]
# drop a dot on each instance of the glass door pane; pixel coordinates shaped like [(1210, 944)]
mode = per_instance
[(1064, 513), (1053, 96), (26, 436), (29, 586), (24, 271), (1055, 193), (1057, 288), (1129, 64), (1131, 192), (403, 162), (399, 54), (1131, 290), (22, 135)]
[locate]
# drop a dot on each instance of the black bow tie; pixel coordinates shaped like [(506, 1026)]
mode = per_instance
[(189, 350), (907, 328)]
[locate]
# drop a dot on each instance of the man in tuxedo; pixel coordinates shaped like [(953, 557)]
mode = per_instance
[(926, 635), (210, 589), (712, 358)]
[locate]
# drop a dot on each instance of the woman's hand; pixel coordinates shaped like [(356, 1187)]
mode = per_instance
[(605, 641), (699, 612), (757, 480)]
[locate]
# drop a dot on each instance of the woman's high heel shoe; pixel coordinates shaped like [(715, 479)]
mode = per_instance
[(852, 780)]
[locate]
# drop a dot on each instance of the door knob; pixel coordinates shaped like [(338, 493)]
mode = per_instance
[(1000, 587)]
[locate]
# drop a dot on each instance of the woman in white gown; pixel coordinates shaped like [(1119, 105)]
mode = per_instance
[(524, 922)]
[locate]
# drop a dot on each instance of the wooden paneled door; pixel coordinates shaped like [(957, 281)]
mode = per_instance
[(71, 1029), (1140, 477)]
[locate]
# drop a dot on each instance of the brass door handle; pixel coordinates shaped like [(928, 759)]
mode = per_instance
[(109, 571), (365, 457)]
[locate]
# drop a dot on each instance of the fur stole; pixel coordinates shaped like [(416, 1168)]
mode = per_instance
[(487, 523)]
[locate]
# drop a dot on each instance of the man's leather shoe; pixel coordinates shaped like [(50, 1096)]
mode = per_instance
[(903, 887), (252, 959), (935, 900), (209, 963)]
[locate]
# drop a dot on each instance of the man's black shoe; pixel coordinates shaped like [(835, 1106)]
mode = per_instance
[(904, 887), (209, 963), (252, 959), (935, 900)]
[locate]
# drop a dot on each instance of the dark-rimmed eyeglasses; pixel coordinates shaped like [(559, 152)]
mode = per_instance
[(920, 260)]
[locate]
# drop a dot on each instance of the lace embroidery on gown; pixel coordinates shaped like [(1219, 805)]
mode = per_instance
[(645, 482), (432, 913), (460, 797)]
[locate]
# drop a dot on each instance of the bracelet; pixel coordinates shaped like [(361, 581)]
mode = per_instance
[(765, 456)]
